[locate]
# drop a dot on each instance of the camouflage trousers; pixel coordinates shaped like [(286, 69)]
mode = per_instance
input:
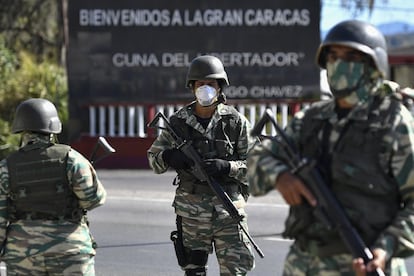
[(301, 263), (232, 247), (63, 265)]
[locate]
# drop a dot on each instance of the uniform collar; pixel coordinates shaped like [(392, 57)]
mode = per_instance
[(221, 110), (32, 138), (358, 113), (188, 115)]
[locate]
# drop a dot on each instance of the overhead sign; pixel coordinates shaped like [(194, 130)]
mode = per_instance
[(139, 51)]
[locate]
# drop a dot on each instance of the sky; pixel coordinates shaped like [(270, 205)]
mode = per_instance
[(385, 11)]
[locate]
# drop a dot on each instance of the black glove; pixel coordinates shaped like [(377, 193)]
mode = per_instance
[(216, 167), (176, 159)]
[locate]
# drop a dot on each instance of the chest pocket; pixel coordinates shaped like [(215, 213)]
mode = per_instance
[(223, 141), (226, 138), (361, 157), (359, 160)]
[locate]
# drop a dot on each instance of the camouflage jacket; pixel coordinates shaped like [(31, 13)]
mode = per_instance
[(397, 237), (30, 237), (238, 169)]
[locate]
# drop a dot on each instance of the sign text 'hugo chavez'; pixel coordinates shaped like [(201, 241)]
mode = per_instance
[(140, 51)]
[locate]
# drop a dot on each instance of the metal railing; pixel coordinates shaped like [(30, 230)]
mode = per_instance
[(131, 120)]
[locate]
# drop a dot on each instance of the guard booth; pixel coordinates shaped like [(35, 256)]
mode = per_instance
[(128, 60)]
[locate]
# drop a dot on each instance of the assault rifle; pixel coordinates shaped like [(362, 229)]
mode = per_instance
[(101, 150), (185, 145), (107, 149), (328, 209)]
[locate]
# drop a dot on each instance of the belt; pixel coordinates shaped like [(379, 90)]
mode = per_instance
[(205, 188), (77, 215)]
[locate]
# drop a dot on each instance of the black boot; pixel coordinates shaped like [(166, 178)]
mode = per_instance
[(201, 271)]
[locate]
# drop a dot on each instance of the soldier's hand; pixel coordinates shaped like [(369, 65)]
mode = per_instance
[(176, 159), (378, 262), (359, 267), (216, 167), (293, 189)]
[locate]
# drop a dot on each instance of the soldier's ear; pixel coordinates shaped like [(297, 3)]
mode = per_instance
[(221, 98)]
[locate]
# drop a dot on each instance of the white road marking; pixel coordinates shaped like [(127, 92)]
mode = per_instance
[(138, 198)]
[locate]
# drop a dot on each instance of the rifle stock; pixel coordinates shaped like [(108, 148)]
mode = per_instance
[(328, 208), (103, 144), (198, 171)]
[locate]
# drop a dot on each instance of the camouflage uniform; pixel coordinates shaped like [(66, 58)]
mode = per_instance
[(204, 221), (369, 157), (58, 247)]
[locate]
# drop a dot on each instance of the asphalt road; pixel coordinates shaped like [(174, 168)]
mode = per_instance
[(133, 227)]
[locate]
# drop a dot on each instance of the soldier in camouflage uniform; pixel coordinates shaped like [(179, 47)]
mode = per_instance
[(45, 190), (221, 136), (363, 143)]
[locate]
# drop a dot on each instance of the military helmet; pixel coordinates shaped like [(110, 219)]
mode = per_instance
[(361, 36), (36, 115), (206, 67)]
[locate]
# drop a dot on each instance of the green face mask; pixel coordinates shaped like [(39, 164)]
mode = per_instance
[(352, 81), (345, 77)]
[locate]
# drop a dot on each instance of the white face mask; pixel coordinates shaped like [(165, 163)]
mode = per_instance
[(206, 95)]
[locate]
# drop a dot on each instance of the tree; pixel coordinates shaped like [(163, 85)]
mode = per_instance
[(35, 26), (31, 62), (359, 6)]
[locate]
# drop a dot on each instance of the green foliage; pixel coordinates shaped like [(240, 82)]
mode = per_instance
[(21, 77), (31, 43), (8, 63), (35, 26), (8, 142)]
